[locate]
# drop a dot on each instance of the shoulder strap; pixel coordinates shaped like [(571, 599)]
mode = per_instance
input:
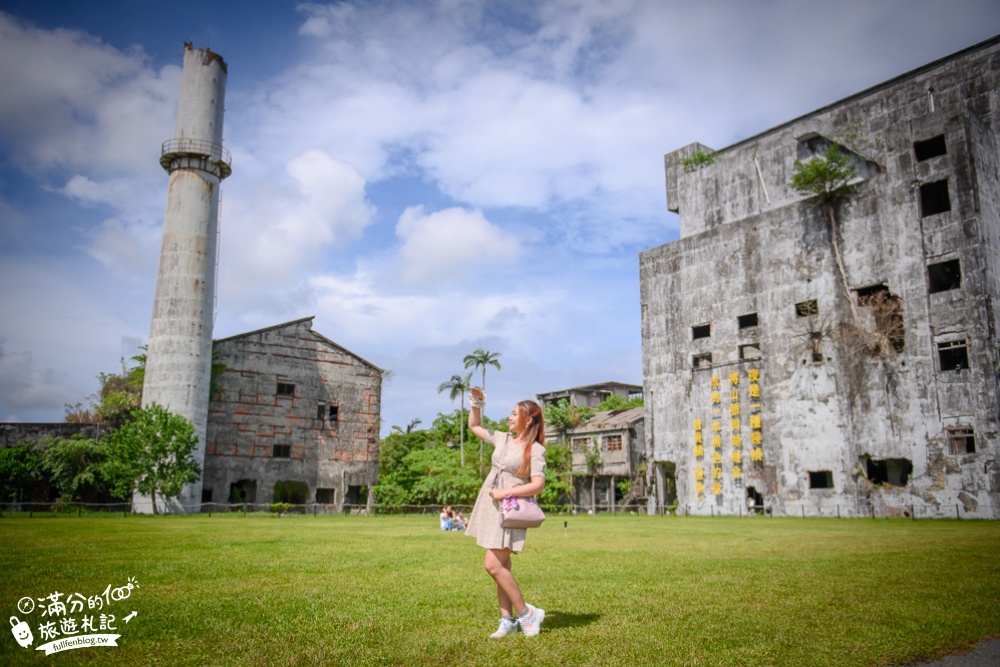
[(506, 441)]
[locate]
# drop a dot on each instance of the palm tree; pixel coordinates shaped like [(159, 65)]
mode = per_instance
[(458, 385), (482, 358)]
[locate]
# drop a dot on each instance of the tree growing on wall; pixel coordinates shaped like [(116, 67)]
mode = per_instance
[(562, 416), (151, 454)]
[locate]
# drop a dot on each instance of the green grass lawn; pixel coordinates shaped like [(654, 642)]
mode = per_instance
[(626, 590)]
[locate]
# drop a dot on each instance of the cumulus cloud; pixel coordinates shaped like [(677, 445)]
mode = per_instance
[(451, 245)]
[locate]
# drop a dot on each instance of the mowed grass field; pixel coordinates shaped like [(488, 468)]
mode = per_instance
[(618, 590)]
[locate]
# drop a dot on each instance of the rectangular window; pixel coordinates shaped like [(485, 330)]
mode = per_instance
[(613, 443), (820, 479), (928, 148), (816, 346), (961, 440), (934, 198), (701, 331), (944, 276), (750, 351), (701, 360), (807, 308), (281, 451), (747, 321), (580, 444), (953, 355), (334, 412), (286, 389), (321, 410), (326, 496)]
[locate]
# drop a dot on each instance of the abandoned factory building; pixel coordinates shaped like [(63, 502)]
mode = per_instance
[(837, 355), (293, 415)]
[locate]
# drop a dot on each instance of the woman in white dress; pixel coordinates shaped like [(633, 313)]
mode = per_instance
[(520, 473)]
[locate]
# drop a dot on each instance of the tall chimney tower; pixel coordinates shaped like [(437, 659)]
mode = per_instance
[(179, 354)]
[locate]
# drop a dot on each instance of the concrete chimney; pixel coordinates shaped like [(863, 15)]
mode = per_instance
[(179, 354)]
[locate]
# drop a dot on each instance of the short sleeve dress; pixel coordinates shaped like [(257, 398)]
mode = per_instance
[(484, 522)]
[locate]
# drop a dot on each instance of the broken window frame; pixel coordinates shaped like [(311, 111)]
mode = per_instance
[(580, 444), (698, 359), (961, 440), (951, 348), (613, 443)]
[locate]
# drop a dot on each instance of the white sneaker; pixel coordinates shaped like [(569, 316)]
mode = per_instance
[(531, 622), (508, 626)]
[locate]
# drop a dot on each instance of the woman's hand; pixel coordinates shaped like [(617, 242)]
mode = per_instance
[(499, 494)]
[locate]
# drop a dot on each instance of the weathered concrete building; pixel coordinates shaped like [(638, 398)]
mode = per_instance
[(608, 449), (295, 408), (819, 364), (591, 395)]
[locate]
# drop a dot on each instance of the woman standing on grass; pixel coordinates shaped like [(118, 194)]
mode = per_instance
[(521, 473)]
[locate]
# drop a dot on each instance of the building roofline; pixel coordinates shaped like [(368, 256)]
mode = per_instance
[(912, 74), (319, 336)]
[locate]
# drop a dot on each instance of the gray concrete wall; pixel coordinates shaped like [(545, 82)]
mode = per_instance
[(750, 244)]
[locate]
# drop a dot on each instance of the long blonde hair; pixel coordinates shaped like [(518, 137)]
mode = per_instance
[(530, 429)]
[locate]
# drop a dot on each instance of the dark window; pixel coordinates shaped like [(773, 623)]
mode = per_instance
[(961, 440), (816, 346), (326, 496), (702, 360), (934, 198), (889, 471), (613, 443), (243, 491), (334, 412), (701, 331), (747, 321), (944, 276), (806, 308), (820, 479), (751, 351), (928, 148), (953, 355), (887, 310), (281, 451), (320, 410), (286, 389)]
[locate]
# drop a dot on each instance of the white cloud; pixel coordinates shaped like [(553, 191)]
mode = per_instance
[(451, 245)]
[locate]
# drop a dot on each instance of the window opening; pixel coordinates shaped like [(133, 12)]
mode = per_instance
[(934, 198), (953, 355), (887, 310), (701, 331), (807, 308), (286, 389), (291, 491), (928, 148), (820, 479), (243, 491), (750, 351), (944, 276), (356, 495), (703, 360), (320, 410), (334, 412), (895, 472), (326, 496), (613, 443), (961, 440), (281, 451), (580, 444), (747, 321), (816, 346)]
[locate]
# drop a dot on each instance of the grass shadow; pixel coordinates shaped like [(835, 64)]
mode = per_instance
[(555, 620)]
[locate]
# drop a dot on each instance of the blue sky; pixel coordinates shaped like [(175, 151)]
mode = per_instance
[(425, 178)]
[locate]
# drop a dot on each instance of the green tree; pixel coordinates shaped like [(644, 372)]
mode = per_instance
[(562, 416), (20, 471), (618, 402), (151, 454), (74, 466), (441, 479), (457, 386), (480, 359), (558, 489)]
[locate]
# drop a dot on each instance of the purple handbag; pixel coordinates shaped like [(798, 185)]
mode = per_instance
[(520, 513)]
